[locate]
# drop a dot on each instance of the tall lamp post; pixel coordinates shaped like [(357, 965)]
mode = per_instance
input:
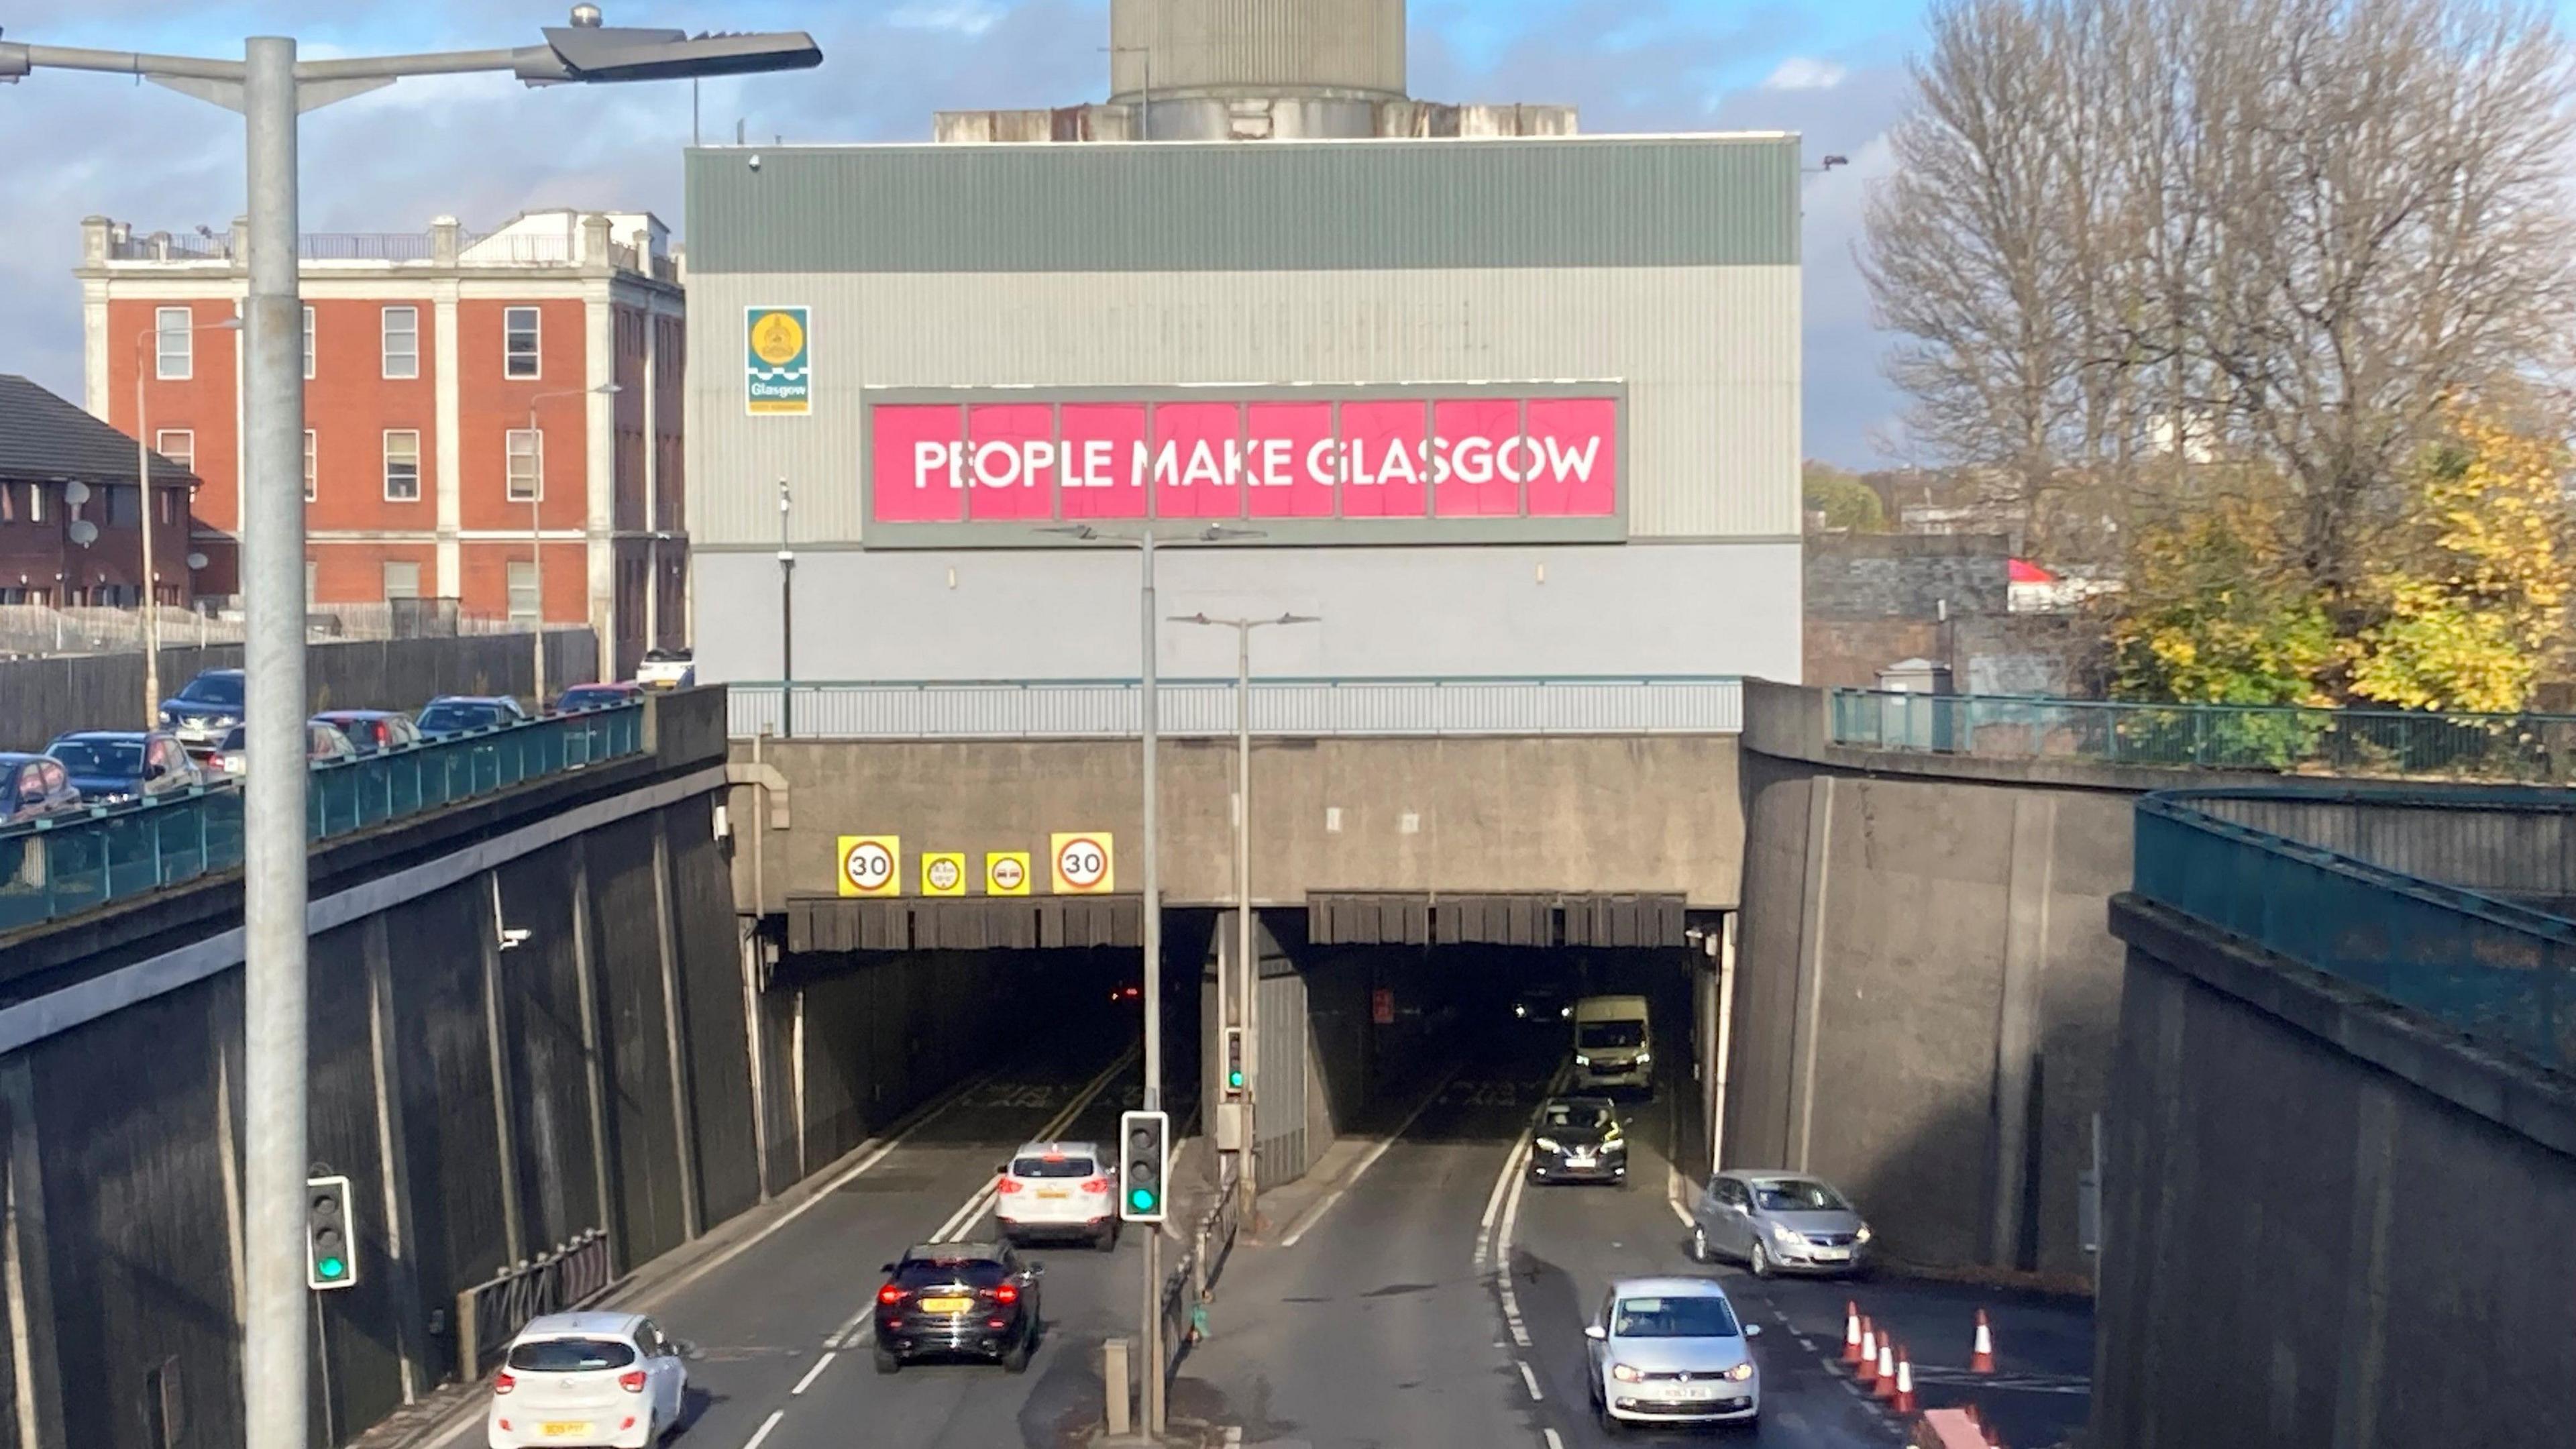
[(1247, 973), (270, 87), (143, 481), (536, 526)]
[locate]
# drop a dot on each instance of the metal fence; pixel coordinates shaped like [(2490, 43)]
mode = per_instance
[(1192, 1284), (491, 1313), (2532, 748), (64, 864), (2503, 973), (1111, 708)]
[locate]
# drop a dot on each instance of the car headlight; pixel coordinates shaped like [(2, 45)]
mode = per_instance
[(1520, 1011), (1547, 1144), (1625, 1374), (1741, 1371), (1786, 1237), (1565, 1013), (1581, 1060), (1645, 1059), (1863, 1235)]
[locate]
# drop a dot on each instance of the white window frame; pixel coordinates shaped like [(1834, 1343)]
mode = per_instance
[(409, 357), (392, 564), (536, 330), (312, 466), (185, 333), (510, 576), (536, 456), (308, 342), (390, 495), (186, 453)]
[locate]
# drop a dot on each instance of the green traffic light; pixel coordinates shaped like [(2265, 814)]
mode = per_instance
[(1234, 1079), (331, 1267), (1142, 1199)]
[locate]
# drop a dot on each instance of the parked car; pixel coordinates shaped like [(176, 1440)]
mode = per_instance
[(667, 669), (372, 731), (323, 745), (588, 1378), (456, 713), (1670, 1351), (111, 765), (33, 786), (599, 696), (210, 704), (1779, 1221)]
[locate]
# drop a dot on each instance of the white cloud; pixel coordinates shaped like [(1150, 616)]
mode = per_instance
[(961, 17), (1805, 73)]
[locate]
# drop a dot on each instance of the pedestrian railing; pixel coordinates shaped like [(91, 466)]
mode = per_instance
[(2533, 748), (1192, 1283), (61, 865), (1113, 708), (491, 1313), (2499, 971)]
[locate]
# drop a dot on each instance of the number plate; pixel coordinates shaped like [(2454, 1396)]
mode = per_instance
[(1051, 1194), (1829, 1255), (567, 1431), (946, 1305)]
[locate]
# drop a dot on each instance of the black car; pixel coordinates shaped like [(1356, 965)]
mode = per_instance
[(959, 1300), (1542, 1006), (1578, 1139), (209, 705)]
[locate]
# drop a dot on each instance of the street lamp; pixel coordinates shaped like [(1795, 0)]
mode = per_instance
[(143, 480), (536, 527), (1248, 974), (1149, 732), (271, 88)]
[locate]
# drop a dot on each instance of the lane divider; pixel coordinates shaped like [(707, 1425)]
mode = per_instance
[(766, 1426), (814, 1373), (1306, 1221), (1513, 1181), (1531, 1380)]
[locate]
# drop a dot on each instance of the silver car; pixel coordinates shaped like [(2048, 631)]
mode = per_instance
[(1671, 1351), (1776, 1221)]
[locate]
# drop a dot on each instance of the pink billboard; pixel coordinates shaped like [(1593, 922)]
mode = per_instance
[(1029, 461)]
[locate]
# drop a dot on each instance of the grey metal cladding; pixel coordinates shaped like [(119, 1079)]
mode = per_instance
[(1646, 201)]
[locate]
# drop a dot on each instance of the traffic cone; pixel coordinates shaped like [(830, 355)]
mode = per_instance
[(1851, 1333), (1983, 1360), (1904, 1382), (1885, 1385), (1867, 1372)]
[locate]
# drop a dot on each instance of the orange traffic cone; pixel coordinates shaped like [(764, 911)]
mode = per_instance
[(1884, 1387), (1983, 1360), (1851, 1333), (1904, 1382), (1867, 1372)]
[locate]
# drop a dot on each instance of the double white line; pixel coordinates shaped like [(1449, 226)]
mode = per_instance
[(1502, 1214)]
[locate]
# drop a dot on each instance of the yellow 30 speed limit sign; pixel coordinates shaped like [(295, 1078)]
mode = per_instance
[(868, 865), (1085, 863)]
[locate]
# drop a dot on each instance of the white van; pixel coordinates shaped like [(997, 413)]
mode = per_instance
[(1611, 1051)]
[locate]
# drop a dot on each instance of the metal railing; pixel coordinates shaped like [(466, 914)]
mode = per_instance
[(1111, 708), (2530, 748), (491, 1313), (368, 246), (1192, 1283), (2503, 973), (62, 865)]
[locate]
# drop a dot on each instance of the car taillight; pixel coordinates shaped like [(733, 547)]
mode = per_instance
[(502, 1383), (1007, 1185), (1096, 1185), (1006, 1294), (632, 1381), (889, 1295)]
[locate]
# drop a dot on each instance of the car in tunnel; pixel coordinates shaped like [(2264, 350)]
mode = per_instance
[(1056, 1189), (1779, 1222), (1670, 1351), (959, 1300), (608, 1379), (1542, 1005), (1578, 1139), (1612, 1045)]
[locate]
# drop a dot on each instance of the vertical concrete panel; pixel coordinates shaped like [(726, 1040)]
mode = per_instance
[(2028, 893), (546, 1049), (1762, 1032), (362, 1342), (1814, 921), (645, 1154)]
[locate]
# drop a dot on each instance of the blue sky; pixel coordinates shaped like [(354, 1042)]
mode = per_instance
[(482, 148)]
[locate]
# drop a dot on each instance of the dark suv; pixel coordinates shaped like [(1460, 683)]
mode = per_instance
[(960, 1300)]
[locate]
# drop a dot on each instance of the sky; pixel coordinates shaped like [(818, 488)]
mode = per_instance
[(483, 148)]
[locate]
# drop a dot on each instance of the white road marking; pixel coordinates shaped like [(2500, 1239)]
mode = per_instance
[(812, 1374), (1683, 1213), (965, 1218), (765, 1426), (1531, 1380), (1512, 1164), (1503, 1264), (1553, 1442), (1307, 1220)]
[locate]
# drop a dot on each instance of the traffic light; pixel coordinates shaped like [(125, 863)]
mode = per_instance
[(1234, 1061), (1145, 1159), (330, 1240)]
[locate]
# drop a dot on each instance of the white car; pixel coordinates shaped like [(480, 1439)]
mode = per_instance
[(606, 1379), (1671, 1351), (1057, 1189)]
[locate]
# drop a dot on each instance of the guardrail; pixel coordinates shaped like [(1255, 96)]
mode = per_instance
[(1112, 708), (2501, 972), (1193, 1280), (491, 1313), (2531, 748), (64, 864)]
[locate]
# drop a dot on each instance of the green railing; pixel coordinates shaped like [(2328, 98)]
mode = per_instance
[(2501, 972), (2522, 748), (66, 864)]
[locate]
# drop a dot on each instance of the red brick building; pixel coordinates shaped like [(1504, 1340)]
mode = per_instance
[(51, 453), (457, 402)]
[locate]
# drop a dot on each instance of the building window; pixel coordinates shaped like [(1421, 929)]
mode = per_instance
[(122, 506), (35, 503), (179, 445), (523, 592), (312, 581), (312, 467), (168, 500), (174, 344), (308, 344), (402, 342), (402, 467), (519, 342), (402, 581), (9, 506), (527, 465)]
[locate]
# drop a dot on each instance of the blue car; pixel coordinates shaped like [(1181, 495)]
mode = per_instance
[(201, 713), (456, 713), (111, 765)]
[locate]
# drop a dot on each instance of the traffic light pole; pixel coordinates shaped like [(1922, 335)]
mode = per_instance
[(1149, 727)]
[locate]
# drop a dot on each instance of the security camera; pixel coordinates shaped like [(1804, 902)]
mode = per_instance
[(755, 160)]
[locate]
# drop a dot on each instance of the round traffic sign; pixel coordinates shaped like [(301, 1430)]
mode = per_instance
[(1008, 875), (1083, 862), (944, 875), (869, 865)]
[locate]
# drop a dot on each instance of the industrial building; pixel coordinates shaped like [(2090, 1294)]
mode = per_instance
[(1489, 396)]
